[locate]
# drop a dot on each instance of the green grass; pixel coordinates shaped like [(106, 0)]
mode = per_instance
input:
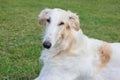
[(21, 35)]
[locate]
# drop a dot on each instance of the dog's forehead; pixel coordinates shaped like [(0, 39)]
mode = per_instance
[(57, 13)]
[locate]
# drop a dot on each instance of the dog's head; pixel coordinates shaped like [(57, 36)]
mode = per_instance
[(58, 24)]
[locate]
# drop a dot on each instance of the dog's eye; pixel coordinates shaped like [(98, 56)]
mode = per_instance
[(48, 20), (61, 23)]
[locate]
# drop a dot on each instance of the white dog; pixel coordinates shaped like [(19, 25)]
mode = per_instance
[(71, 55)]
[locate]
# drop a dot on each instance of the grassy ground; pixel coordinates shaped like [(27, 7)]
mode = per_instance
[(21, 35)]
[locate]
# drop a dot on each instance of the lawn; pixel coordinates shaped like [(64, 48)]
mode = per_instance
[(21, 35)]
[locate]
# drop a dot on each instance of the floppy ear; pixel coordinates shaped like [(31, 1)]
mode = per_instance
[(74, 21), (42, 16)]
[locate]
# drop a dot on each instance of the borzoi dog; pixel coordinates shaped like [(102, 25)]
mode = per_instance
[(71, 55)]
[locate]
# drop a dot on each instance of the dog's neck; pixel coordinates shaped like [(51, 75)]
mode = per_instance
[(76, 38), (71, 42)]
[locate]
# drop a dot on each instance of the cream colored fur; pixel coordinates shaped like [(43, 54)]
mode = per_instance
[(73, 55)]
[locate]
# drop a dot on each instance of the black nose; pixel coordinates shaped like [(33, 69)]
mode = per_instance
[(46, 44)]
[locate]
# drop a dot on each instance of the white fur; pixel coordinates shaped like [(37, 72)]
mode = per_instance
[(82, 60)]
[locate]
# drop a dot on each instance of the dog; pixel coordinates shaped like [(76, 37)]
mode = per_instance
[(70, 55)]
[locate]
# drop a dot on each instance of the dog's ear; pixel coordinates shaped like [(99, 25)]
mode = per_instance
[(74, 21), (42, 16)]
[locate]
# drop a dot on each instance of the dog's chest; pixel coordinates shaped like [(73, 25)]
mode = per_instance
[(79, 67), (76, 66)]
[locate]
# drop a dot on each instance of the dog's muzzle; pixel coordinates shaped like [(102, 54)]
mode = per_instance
[(47, 44)]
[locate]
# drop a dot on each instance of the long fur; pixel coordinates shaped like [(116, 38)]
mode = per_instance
[(73, 55)]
